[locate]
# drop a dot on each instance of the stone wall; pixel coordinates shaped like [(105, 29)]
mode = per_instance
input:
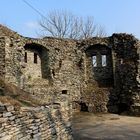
[(65, 68), (97, 81), (125, 97), (121, 93), (57, 69), (13, 61), (60, 70), (2, 62), (2, 56), (28, 123), (99, 72)]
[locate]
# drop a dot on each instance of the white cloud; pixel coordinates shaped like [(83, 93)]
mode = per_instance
[(32, 25)]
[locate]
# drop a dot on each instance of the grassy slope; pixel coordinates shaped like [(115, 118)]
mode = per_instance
[(17, 97)]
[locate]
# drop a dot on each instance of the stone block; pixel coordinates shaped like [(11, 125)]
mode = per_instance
[(2, 109), (10, 108), (7, 114), (11, 118)]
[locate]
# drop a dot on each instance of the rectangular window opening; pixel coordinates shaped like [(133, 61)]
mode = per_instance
[(104, 62), (64, 91), (25, 57), (94, 61), (35, 58)]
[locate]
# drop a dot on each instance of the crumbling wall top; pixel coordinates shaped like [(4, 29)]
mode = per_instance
[(5, 31)]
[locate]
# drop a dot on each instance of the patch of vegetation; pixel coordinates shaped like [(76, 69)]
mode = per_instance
[(16, 96)]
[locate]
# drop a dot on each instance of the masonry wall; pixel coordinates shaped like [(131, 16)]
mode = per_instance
[(122, 94), (60, 62), (13, 60), (2, 63), (32, 64), (65, 68), (95, 81), (126, 97), (45, 123), (101, 74), (2, 56)]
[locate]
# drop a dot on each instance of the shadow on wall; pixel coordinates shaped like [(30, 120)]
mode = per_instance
[(99, 61), (84, 107), (39, 56), (124, 95)]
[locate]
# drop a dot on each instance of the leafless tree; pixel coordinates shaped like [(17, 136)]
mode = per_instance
[(63, 24), (100, 32), (88, 27)]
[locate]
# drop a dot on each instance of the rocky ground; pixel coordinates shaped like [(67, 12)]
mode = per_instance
[(88, 126)]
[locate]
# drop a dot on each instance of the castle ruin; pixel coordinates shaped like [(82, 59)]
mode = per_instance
[(94, 75)]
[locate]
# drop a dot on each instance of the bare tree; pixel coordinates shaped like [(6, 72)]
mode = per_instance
[(88, 28), (100, 32), (63, 24)]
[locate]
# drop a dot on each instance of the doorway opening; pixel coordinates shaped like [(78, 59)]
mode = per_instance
[(84, 107)]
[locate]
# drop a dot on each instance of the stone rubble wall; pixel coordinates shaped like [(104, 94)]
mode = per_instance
[(125, 96), (61, 64), (67, 69), (13, 60), (40, 123), (2, 57), (94, 92), (2, 63)]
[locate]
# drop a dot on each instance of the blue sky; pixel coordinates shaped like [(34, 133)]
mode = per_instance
[(114, 15)]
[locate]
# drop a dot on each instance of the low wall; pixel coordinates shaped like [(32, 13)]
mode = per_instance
[(40, 123)]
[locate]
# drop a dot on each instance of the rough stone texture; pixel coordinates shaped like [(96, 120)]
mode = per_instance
[(117, 84), (97, 81), (64, 68), (41, 123), (126, 96), (2, 63)]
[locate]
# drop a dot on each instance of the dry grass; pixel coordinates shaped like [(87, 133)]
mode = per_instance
[(17, 97)]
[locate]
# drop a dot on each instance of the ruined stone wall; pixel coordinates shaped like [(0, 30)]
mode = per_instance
[(64, 69), (125, 97), (2, 62), (60, 62), (96, 81), (13, 60), (123, 93), (44, 123), (102, 74), (32, 65), (2, 57)]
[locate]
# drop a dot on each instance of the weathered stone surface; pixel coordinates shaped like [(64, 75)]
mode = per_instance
[(62, 73), (10, 108), (31, 127)]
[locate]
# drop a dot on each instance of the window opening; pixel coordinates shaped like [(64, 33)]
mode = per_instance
[(35, 58), (104, 63), (94, 61), (25, 57), (64, 91)]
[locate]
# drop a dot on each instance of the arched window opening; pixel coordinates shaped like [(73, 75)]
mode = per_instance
[(99, 65), (84, 107), (35, 58), (38, 61)]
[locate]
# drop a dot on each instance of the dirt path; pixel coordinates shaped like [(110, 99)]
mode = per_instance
[(87, 126)]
